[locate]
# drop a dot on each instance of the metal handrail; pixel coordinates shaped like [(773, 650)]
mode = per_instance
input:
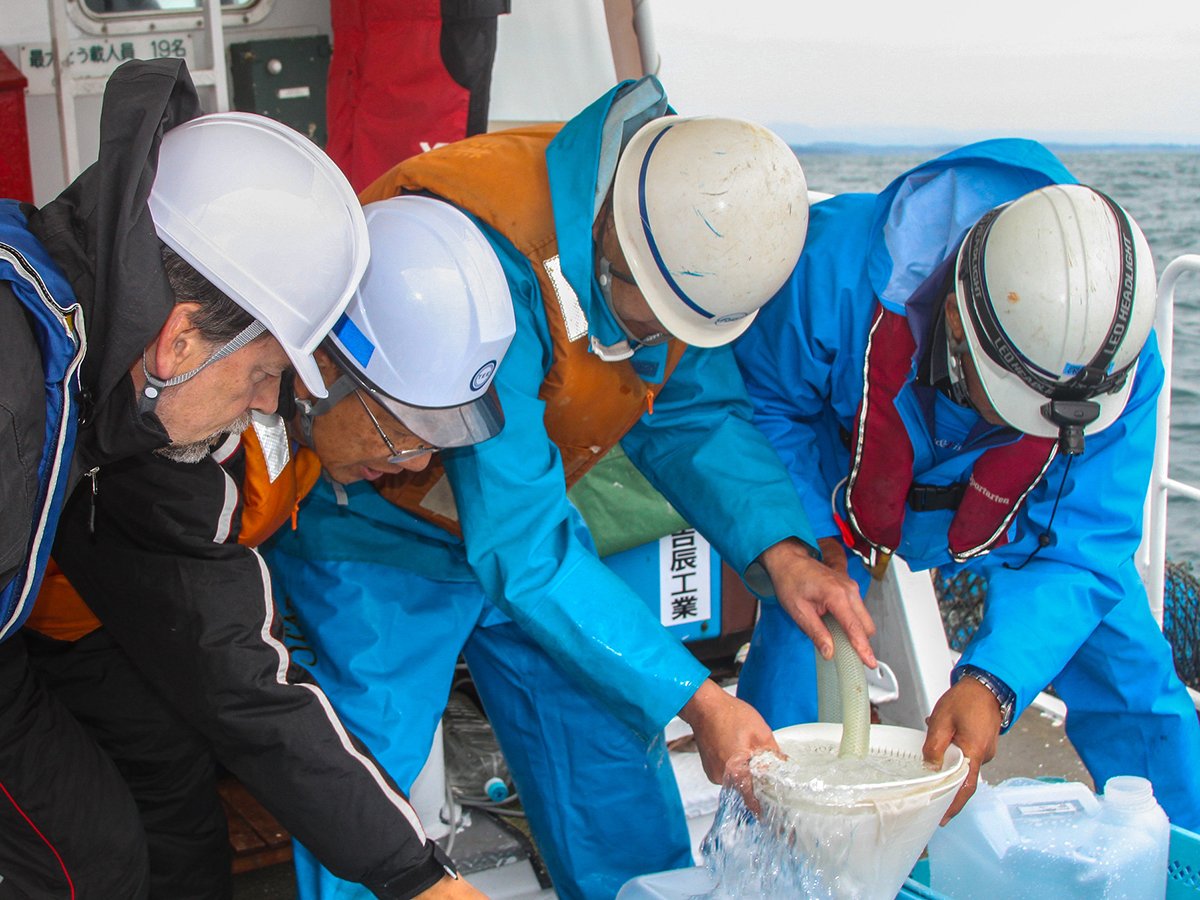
[(1152, 554)]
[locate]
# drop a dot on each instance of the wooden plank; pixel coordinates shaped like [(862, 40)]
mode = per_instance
[(242, 837), (264, 825)]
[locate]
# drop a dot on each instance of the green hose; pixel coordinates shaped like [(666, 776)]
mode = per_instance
[(829, 698), (855, 704)]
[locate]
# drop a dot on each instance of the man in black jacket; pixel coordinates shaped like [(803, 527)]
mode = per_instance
[(192, 632), (111, 346)]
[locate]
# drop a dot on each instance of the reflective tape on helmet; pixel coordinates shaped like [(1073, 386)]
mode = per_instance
[(354, 340)]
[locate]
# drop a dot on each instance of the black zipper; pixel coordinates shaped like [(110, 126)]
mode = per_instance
[(92, 511)]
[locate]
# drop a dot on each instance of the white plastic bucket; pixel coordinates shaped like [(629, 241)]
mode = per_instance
[(863, 848)]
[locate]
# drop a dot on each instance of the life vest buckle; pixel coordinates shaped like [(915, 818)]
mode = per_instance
[(930, 497)]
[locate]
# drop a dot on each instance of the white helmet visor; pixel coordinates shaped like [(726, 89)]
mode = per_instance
[(443, 427)]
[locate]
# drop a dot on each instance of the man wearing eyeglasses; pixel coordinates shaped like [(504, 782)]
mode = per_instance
[(190, 665), (636, 245)]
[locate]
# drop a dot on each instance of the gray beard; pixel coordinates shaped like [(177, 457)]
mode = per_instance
[(194, 451)]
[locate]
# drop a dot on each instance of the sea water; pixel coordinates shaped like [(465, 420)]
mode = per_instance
[(1161, 190)]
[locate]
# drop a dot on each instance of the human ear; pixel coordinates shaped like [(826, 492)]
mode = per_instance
[(330, 372), (178, 347), (953, 319)]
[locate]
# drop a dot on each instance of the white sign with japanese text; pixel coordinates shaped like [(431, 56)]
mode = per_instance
[(684, 578), (98, 57)]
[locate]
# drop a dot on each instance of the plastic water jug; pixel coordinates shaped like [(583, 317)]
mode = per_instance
[(1028, 840), (475, 767)]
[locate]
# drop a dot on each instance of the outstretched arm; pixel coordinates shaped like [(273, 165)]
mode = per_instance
[(195, 612), (1041, 609), (701, 449)]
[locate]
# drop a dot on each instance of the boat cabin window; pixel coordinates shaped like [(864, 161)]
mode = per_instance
[(104, 8)]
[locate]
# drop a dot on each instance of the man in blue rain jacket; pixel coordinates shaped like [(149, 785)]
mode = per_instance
[(576, 674), (1055, 528)]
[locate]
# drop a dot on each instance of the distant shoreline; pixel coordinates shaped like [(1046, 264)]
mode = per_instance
[(936, 149)]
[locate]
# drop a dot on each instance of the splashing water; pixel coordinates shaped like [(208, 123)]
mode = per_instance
[(751, 858), (813, 806)]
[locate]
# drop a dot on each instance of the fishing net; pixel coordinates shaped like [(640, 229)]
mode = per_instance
[(960, 600), (1181, 620)]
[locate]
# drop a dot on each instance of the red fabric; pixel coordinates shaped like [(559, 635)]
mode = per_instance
[(16, 179), (389, 96), (881, 453), (882, 461), (1000, 479)]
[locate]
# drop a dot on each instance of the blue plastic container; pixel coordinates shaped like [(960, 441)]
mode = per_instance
[(1183, 866)]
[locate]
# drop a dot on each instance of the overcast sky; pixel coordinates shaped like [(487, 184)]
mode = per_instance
[(931, 70)]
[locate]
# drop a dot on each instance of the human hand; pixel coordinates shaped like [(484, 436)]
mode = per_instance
[(808, 589), (833, 554), (967, 715), (728, 732), (451, 889)]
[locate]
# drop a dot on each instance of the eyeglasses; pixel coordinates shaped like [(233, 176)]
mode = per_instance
[(606, 274), (397, 456), (621, 276)]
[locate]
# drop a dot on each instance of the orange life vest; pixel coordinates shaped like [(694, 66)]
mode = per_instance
[(501, 178), (60, 612)]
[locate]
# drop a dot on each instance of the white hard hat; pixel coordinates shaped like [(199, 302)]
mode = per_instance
[(711, 215), (1056, 291), (430, 322), (261, 212)]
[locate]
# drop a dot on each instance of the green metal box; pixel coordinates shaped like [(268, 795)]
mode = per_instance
[(284, 79)]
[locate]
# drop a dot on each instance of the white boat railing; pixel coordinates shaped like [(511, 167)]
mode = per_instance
[(1152, 554)]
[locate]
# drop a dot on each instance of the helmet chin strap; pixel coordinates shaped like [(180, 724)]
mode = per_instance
[(307, 410), (153, 388), (607, 273), (958, 382)]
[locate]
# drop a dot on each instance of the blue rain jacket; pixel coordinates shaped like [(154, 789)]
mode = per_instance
[(57, 323), (525, 543), (803, 363)]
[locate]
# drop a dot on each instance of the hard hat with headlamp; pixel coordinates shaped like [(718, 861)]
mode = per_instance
[(1056, 291), (427, 327), (262, 213), (711, 215)]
